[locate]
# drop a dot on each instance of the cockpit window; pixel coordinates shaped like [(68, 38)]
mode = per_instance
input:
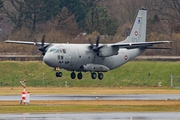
[(54, 50)]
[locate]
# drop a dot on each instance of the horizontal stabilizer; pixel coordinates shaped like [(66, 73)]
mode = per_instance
[(139, 44)]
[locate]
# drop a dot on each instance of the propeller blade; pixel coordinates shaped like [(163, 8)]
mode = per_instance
[(96, 47), (97, 41), (43, 37), (43, 47)]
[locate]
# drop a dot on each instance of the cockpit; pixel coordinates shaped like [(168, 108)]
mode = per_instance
[(56, 50), (53, 50), (56, 55)]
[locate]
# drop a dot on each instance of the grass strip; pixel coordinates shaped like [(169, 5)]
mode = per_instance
[(90, 106), (89, 90)]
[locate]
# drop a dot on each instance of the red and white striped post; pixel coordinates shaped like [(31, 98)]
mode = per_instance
[(25, 95)]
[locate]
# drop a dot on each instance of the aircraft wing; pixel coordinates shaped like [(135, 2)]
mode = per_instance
[(25, 42), (139, 44)]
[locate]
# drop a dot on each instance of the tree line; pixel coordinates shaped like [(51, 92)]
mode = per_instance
[(86, 15), (63, 20)]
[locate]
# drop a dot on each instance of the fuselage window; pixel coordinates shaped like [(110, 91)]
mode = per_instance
[(61, 57), (64, 51)]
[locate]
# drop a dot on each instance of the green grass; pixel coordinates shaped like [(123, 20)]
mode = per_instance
[(66, 108), (135, 73), (86, 108), (89, 107)]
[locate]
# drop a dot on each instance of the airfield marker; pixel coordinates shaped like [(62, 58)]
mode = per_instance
[(25, 95)]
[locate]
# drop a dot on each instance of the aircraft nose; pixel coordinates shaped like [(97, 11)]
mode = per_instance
[(47, 59)]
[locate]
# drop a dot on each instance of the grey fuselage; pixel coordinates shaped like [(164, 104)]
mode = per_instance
[(73, 56)]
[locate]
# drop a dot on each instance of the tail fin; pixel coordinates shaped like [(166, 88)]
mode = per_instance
[(138, 31)]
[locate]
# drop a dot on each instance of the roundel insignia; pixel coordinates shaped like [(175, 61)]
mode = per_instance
[(125, 57), (136, 33)]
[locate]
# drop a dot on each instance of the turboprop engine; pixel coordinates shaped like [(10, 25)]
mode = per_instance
[(107, 51)]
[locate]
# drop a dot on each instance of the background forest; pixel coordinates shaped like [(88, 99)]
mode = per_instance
[(75, 21)]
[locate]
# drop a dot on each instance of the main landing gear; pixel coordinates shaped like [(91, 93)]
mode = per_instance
[(80, 76), (93, 75)]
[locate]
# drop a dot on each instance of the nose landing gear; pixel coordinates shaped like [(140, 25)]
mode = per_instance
[(58, 74)]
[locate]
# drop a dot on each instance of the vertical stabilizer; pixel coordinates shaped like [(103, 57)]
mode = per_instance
[(138, 31)]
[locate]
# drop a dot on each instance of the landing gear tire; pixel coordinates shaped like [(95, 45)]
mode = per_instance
[(93, 75), (58, 74), (79, 75), (100, 76), (73, 75)]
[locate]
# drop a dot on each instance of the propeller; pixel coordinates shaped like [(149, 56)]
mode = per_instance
[(42, 46), (95, 47)]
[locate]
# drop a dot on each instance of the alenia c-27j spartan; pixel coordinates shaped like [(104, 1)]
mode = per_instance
[(96, 58)]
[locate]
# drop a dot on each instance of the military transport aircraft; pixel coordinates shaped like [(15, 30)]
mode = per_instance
[(96, 58)]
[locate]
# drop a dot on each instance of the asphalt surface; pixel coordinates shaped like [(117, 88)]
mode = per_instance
[(95, 97), (95, 116)]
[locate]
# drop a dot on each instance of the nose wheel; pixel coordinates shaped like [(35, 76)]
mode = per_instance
[(58, 74)]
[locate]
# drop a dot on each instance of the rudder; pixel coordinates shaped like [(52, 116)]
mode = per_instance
[(138, 31)]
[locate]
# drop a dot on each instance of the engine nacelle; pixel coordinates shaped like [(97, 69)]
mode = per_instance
[(94, 68), (107, 51)]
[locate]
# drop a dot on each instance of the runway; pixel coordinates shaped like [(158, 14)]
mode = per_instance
[(95, 116), (99, 97)]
